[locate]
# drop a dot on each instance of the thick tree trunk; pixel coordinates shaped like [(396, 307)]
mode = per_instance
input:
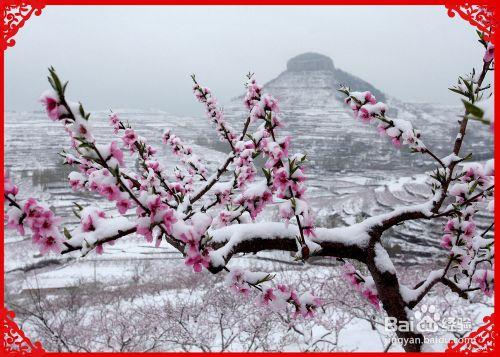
[(390, 295)]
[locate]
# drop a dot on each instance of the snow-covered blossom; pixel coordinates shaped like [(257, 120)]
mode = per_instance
[(76, 180), (489, 55), (42, 222), (366, 108), (52, 105), (129, 139), (484, 278), (215, 114), (185, 152), (253, 94), (9, 187), (364, 285)]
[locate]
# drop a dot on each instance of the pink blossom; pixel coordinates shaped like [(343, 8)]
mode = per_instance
[(236, 280), (485, 281), (76, 180), (447, 241), (490, 53), (114, 120), (396, 142), (116, 153), (123, 205), (32, 210), (47, 223), (350, 274), (372, 297), (192, 241), (253, 95), (9, 187), (364, 114), (381, 129), (281, 180), (129, 138), (50, 243), (451, 225), (468, 228), (270, 103), (198, 261), (267, 297), (51, 102), (143, 228), (169, 219), (369, 98), (111, 192), (88, 223), (99, 249), (14, 216)]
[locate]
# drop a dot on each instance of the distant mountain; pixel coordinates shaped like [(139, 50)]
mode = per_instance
[(316, 73), (322, 125), (352, 172)]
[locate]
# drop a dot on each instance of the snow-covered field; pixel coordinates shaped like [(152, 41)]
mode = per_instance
[(352, 174)]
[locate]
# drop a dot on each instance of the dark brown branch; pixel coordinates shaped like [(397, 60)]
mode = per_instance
[(71, 248), (175, 243), (289, 244)]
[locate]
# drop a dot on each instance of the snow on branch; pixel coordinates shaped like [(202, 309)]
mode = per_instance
[(211, 218)]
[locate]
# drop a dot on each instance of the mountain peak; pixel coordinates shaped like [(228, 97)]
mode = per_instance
[(310, 61)]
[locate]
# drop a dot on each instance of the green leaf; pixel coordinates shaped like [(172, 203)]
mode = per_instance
[(76, 213), (456, 90), (80, 109), (51, 82), (66, 233), (472, 109), (64, 87), (473, 188)]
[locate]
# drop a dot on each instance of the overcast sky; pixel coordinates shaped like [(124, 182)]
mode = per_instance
[(141, 57)]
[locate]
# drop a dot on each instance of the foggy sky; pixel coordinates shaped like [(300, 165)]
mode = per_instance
[(141, 57)]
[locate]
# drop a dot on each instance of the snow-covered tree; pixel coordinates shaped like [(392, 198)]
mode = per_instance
[(210, 217)]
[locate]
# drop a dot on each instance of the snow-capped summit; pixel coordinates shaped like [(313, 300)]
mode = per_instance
[(316, 74), (310, 61)]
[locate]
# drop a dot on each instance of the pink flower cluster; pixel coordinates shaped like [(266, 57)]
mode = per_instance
[(489, 55), (244, 166), (9, 187), (275, 298), (53, 107), (484, 279), (185, 153), (366, 108), (289, 185), (216, 115), (92, 218), (468, 248), (195, 257), (253, 94), (362, 284), (42, 222), (104, 183), (255, 198), (286, 173), (266, 109), (159, 213)]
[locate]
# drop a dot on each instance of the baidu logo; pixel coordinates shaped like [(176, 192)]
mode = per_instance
[(425, 319)]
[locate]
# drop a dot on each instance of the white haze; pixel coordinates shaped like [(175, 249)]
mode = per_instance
[(142, 56)]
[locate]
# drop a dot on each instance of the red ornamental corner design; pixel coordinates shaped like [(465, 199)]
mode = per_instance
[(481, 340), (480, 16), (15, 14), (15, 342)]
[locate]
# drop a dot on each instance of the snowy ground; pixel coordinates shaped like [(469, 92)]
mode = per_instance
[(156, 282)]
